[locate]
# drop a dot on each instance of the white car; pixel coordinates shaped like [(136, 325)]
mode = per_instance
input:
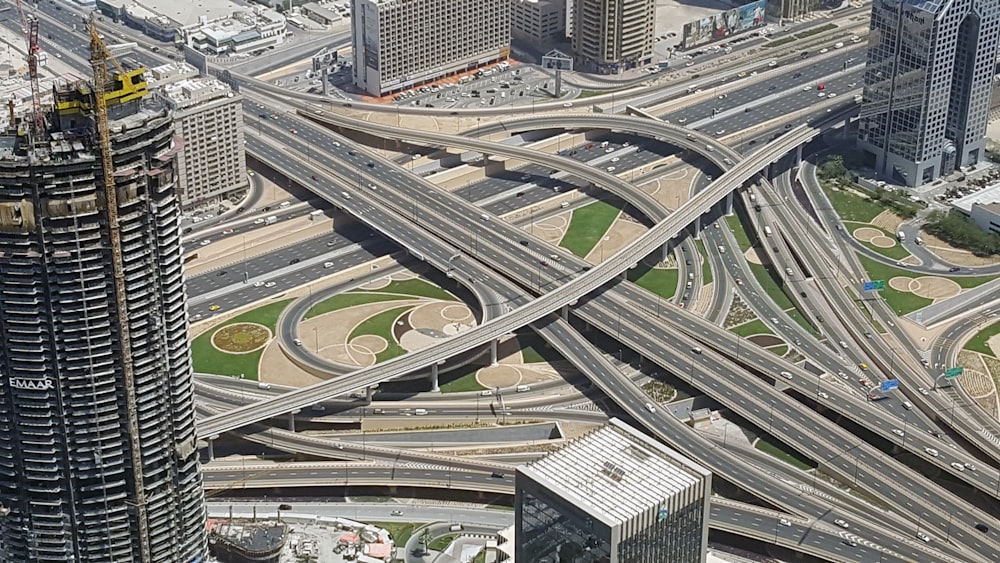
[(832, 95), (785, 522), (823, 395), (206, 242), (923, 537), (611, 168), (841, 523), (969, 466), (786, 375), (258, 284), (650, 407), (958, 466), (931, 452), (897, 432), (806, 88), (270, 284), (615, 159), (259, 221)]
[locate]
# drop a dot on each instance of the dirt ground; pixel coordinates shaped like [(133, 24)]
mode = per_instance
[(954, 255), (673, 189), (621, 233), (888, 220)]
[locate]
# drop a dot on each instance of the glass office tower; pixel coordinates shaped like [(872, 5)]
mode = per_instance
[(928, 83)]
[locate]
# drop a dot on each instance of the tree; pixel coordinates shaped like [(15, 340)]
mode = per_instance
[(833, 167)]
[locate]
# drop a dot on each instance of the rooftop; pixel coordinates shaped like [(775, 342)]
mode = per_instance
[(188, 12), (989, 194), (615, 472)]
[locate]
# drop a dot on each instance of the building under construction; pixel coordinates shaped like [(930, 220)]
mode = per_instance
[(97, 440)]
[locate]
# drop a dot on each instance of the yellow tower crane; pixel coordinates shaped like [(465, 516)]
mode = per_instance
[(100, 56)]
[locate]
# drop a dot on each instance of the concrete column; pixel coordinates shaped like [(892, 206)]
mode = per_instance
[(665, 252), (434, 378), (493, 352), (697, 228), (798, 155), (729, 203), (565, 312), (368, 393), (291, 422), (211, 449)]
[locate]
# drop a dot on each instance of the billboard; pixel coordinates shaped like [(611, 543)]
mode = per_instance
[(722, 25)]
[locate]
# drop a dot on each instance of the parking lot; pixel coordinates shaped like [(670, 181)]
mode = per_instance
[(494, 86)]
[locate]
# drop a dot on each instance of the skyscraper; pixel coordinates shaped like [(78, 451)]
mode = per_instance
[(613, 35), (928, 83), (614, 495), (98, 462)]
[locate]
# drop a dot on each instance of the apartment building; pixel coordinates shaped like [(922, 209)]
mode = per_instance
[(98, 457), (610, 36), (403, 43), (208, 116), (928, 84), (540, 23)]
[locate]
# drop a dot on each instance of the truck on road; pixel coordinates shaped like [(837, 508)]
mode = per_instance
[(271, 219)]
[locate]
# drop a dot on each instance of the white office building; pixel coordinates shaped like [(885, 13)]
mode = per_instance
[(610, 36), (208, 117), (399, 44), (614, 495)]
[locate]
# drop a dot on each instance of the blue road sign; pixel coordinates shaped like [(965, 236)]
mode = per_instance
[(889, 385), (876, 285)]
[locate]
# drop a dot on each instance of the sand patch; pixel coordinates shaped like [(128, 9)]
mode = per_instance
[(551, 229), (883, 241), (751, 256), (954, 255), (931, 287), (445, 317), (866, 234), (994, 344), (901, 283), (888, 220), (620, 234), (416, 340), (498, 376), (372, 343)]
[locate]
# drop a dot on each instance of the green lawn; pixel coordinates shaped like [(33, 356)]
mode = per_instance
[(442, 542), (462, 384), (978, 342), (896, 251), (534, 350), (902, 302), (417, 288), (778, 350), (381, 325), (800, 318), (736, 226), (400, 531), (348, 299), (587, 226), (207, 359), (852, 207), (706, 268), (771, 286), (661, 281), (784, 453), (755, 326)]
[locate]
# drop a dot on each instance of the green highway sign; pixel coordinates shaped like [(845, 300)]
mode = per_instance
[(953, 372)]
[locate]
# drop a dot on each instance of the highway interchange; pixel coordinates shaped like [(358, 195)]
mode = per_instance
[(629, 315)]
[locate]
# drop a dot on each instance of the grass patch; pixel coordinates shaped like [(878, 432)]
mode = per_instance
[(416, 288), (346, 300), (661, 281), (815, 31), (978, 342), (784, 453), (587, 226), (851, 206), (442, 542), (868, 315), (706, 268), (207, 359), (779, 350), (901, 302), (462, 384), (801, 319), (659, 391), (771, 286), (780, 42), (400, 531), (896, 251), (381, 325), (534, 350), (751, 328), (736, 226)]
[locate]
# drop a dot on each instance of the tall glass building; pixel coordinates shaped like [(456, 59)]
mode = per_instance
[(615, 496), (97, 464), (928, 83)]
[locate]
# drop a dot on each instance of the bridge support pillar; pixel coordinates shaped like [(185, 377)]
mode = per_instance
[(665, 252), (493, 352), (211, 449), (697, 228), (368, 394), (434, 378), (565, 312), (291, 422), (729, 203), (798, 156)]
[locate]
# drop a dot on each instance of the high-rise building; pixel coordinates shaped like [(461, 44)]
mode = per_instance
[(610, 36), (541, 23), (614, 495), (98, 458), (928, 83), (208, 116), (403, 43)]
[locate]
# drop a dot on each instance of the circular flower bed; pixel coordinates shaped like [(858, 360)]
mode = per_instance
[(240, 338)]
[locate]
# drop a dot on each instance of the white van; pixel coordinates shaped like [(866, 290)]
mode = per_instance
[(327, 264), (484, 217), (843, 345), (523, 388), (722, 249), (285, 204), (297, 341), (838, 45), (262, 385), (564, 205), (485, 393), (767, 231), (346, 195), (420, 412)]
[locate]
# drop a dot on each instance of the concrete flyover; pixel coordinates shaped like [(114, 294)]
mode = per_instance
[(574, 289)]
